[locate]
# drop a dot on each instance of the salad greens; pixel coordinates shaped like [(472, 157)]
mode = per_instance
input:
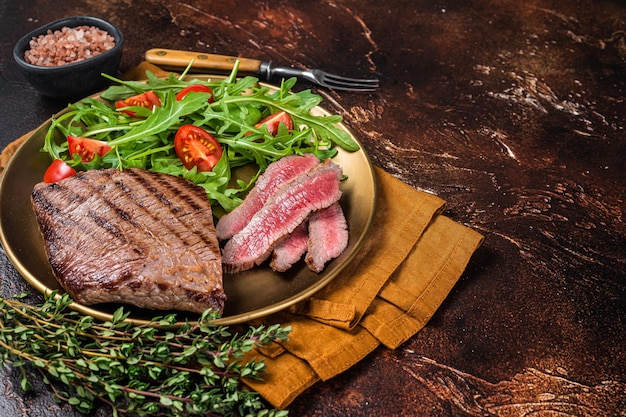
[(146, 139)]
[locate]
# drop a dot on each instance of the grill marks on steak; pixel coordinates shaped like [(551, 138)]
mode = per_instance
[(276, 174), (132, 236), (286, 209)]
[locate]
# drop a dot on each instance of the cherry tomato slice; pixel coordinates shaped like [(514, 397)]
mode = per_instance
[(57, 170), (201, 88), (86, 148), (149, 100), (274, 120), (196, 147)]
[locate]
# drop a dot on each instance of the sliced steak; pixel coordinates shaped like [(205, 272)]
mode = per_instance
[(313, 190), (132, 236), (328, 237), (276, 174), (291, 248)]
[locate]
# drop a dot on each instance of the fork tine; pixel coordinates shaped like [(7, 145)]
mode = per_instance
[(348, 87), (323, 78), (339, 82), (349, 80), (351, 86)]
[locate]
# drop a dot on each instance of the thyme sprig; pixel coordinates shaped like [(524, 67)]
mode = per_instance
[(155, 369)]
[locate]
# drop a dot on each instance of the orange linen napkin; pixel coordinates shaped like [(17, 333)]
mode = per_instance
[(413, 257)]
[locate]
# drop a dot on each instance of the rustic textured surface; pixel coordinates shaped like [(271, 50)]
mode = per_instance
[(513, 112)]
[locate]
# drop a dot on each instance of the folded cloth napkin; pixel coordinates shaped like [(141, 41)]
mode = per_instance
[(413, 257), (407, 267)]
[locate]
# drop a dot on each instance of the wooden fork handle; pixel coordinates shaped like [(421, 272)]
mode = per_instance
[(176, 60)]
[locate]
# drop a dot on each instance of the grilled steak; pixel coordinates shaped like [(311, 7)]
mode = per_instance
[(276, 174), (328, 236), (291, 248), (292, 203), (132, 236)]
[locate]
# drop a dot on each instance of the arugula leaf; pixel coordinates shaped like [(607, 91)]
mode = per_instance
[(163, 118)]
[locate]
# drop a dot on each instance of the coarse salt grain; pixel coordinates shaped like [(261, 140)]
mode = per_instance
[(68, 45)]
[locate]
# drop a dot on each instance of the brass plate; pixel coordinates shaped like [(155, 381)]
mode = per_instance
[(251, 295)]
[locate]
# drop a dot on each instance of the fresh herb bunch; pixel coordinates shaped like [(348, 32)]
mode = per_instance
[(151, 369), (147, 141)]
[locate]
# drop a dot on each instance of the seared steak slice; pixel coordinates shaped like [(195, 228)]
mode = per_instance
[(132, 236), (328, 237), (291, 249), (313, 190), (276, 174)]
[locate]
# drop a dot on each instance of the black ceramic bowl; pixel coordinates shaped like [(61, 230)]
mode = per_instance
[(74, 80)]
